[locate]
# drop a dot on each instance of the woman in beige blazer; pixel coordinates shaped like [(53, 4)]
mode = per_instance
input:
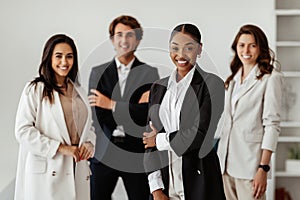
[(53, 127), (249, 127)]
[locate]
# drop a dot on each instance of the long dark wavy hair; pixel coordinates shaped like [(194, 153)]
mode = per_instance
[(266, 58), (47, 74)]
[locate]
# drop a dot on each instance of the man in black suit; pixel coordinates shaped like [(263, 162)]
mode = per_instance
[(119, 99)]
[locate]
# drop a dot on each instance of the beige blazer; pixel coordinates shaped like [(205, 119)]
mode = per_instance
[(42, 172), (255, 125)]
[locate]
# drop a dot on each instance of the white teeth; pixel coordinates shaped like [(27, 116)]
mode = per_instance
[(246, 57), (181, 61), (63, 68)]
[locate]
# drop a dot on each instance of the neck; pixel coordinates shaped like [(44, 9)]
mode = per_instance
[(246, 70), (125, 59), (61, 82)]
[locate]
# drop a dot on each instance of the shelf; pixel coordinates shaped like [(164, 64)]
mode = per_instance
[(287, 12), (288, 44), (290, 124), (287, 174), (289, 139), (291, 74)]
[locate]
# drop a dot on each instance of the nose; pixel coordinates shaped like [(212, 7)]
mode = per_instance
[(64, 60), (180, 52)]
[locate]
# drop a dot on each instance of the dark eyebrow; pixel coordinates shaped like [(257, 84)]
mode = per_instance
[(190, 43), (59, 53), (174, 43)]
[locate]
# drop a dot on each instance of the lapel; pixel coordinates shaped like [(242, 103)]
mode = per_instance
[(110, 82), (131, 79), (229, 95), (249, 84), (193, 91), (58, 116)]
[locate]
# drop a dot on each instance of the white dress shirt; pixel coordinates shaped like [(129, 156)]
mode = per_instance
[(169, 114), (123, 71)]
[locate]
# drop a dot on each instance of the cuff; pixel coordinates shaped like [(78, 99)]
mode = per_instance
[(155, 181), (162, 142)]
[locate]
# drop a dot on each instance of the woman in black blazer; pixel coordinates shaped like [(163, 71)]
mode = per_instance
[(184, 111)]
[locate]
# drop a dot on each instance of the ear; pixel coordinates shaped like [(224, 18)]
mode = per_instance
[(199, 50)]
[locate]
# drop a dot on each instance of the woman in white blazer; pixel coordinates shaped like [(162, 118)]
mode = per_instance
[(249, 127), (53, 127)]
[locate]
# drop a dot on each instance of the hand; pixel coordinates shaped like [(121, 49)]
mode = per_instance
[(69, 150), (149, 138), (145, 97), (259, 183), (86, 151), (159, 195), (100, 100)]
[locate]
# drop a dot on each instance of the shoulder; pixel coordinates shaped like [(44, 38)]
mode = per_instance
[(209, 78), (101, 67), (143, 65), (275, 76)]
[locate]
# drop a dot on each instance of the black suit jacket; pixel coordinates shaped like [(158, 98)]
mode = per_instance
[(201, 109), (128, 112)]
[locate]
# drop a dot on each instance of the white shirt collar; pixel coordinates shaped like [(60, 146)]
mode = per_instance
[(186, 80), (251, 75), (126, 67)]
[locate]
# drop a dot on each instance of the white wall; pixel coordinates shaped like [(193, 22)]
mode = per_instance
[(26, 25)]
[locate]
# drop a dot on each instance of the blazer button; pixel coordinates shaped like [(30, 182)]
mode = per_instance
[(53, 173), (198, 171)]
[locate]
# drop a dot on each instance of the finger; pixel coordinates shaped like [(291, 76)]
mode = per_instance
[(152, 127), (145, 134), (95, 92)]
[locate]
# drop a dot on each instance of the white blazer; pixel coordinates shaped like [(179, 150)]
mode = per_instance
[(255, 125), (42, 172)]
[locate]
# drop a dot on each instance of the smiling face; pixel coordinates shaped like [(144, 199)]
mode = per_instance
[(62, 61), (124, 41), (183, 52), (247, 49)]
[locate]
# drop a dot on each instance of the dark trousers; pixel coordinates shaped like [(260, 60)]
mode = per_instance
[(104, 180)]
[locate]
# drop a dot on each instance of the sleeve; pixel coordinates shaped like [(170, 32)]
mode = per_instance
[(271, 111), (26, 132), (155, 181)]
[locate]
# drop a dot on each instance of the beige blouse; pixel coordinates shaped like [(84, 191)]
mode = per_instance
[(75, 112)]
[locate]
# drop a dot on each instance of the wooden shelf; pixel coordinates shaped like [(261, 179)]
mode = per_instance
[(287, 174), (289, 139), (291, 74), (290, 124), (288, 43), (287, 12)]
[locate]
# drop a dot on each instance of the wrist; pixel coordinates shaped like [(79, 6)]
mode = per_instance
[(157, 192), (264, 167), (113, 105)]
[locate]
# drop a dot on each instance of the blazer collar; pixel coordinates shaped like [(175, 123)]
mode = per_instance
[(252, 80)]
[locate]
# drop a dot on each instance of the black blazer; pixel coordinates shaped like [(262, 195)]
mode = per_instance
[(128, 112), (200, 113)]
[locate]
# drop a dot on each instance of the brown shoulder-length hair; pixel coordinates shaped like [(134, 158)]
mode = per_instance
[(128, 21), (266, 58), (47, 74)]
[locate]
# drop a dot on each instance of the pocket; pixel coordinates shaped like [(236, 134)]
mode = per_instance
[(35, 165), (253, 136)]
